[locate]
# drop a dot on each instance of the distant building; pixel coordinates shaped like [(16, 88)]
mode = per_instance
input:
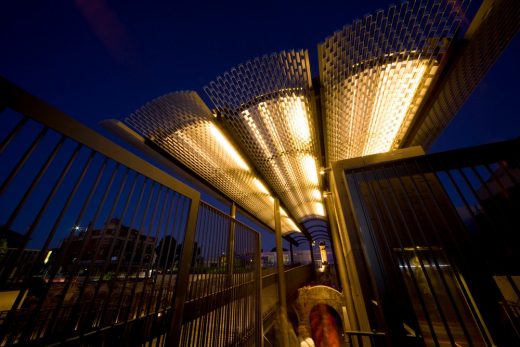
[(113, 244)]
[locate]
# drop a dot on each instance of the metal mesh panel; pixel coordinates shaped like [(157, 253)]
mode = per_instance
[(224, 284), (485, 44), (376, 72), (439, 235), (181, 124), (267, 104), (82, 230)]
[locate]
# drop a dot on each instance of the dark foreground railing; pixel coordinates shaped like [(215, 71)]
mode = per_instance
[(98, 247), (436, 242)]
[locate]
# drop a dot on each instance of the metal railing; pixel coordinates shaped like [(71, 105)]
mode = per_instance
[(438, 232), (223, 300), (121, 252)]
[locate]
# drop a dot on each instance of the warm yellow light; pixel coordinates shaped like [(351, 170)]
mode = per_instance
[(397, 86), (318, 209), (316, 194), (49, 255), (309, 168), (297, 119), (260, 186), (228, 147)]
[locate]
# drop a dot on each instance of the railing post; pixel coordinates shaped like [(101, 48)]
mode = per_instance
[(341, 266), (231, 245), (258, 313), (183, 275), (282, 314)]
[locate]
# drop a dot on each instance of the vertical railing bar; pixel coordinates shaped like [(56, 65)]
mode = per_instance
[(167, 229), (150, 317), (220, 316), (461, 194), (258, 309), (374, 198), (30, 189), (131, 226), (206, 318), (235, 306), (164, 303), (26, 237), (221, 275), (468, 184), (406, 263), (143, 295), (225, 278), (75, 305), (51, 194), (375, 202), (179, 213), (183, 277), (437, 203), (24, 158), (494, 175), (227, 338), (230, 277), (440, 241), (484, 184), (13, 133), (169, 196), (194, 277), (134, 310), (219, 225), (421, 263), (54, 316), (460, 280), (203, 279), (459, 249), (204, 234), (53, 230), (114, 238), (136, 314), (114, 279)]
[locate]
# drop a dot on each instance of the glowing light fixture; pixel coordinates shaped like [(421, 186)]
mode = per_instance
[(272, 116), (181, 124), (228, 147), (374, 78)]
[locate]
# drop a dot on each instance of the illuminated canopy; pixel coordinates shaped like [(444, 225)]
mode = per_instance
[(376, 72), (181, 124), (375, 77), (267, 104)]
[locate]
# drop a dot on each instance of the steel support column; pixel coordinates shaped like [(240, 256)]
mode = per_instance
[(183, 276), (282, 313), (340, 262), (231, 245)]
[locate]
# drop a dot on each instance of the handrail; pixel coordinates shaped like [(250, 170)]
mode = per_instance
[(23, 102)]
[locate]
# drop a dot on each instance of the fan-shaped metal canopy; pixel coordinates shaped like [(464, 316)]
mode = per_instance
[(374, 77)]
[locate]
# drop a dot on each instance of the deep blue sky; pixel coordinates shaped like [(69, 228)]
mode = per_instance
[(98, 59)]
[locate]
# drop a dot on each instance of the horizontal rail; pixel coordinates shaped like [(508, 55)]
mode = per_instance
[(21, 101)]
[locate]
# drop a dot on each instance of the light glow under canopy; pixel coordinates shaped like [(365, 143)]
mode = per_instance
[(267, 104), (374, 77), (181, 124)]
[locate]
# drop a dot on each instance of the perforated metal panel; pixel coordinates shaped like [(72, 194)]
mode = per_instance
[(488, 36), (268, 105), (182, 124), (376, 72)]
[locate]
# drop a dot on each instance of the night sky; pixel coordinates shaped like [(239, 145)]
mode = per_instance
[(99, 59)]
